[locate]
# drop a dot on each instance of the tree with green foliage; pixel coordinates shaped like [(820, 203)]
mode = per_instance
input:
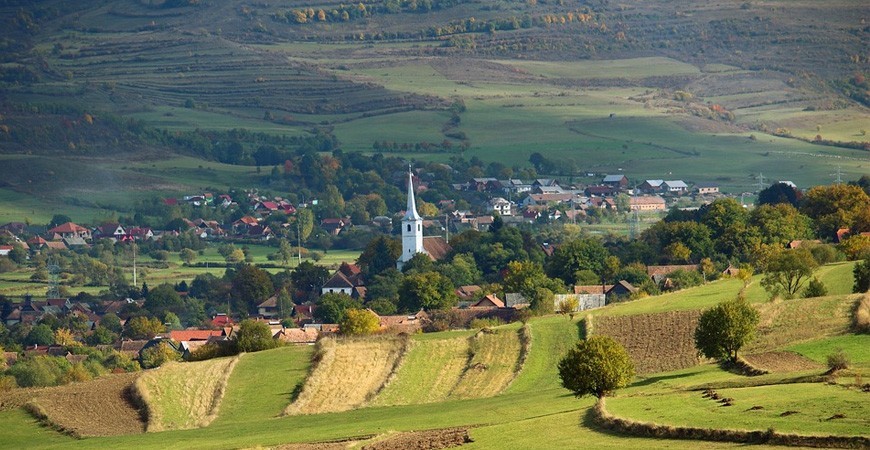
[(787, 271), (285, 251), (332, 307), (254, 336), (861, 271), (101, 336), (722, 214), (525, 277), (576, 255), (41, 334), (815, 288), (308, 278), (142, 327), (163, 298), (725, 329), (835, 206), (379, 255), (427, 290), (542, 301), (251, 285), (39, 371), (158, 355), (462, 270), (780, 223), (779, 193), (419, 263), (596, 366), (358, 322), (187, 255)]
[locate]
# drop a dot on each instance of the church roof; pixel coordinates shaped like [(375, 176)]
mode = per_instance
[(411, 211), (437, 247)]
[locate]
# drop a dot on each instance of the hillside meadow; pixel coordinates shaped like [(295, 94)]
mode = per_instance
[(534, 410)]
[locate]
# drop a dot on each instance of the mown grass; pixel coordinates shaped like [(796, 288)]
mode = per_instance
[(552, 337), (855, 346), (263, 383), (815, 404)]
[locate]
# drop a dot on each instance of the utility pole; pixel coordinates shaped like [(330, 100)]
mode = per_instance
[(299, 237), (760, 181), (135, 284), (839, 174)]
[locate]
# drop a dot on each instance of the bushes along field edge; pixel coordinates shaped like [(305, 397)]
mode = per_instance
[(602, 418)]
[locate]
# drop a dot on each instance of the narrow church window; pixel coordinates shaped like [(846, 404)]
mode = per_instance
[(409, 227)]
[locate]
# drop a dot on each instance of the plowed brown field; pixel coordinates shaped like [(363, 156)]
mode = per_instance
[(656, 342), (99, 407), (781, 361)]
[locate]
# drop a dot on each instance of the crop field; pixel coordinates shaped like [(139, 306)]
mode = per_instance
[(348, 373), (492, 365), (656, 342), (180, 396), (855, 346), (100, 407), (428, 373)]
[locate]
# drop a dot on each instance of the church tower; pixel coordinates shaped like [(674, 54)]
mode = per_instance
[(412, 227)]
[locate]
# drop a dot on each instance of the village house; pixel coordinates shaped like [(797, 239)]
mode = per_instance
[(346, 280), (70, 229), (706, 188), (676, 187), (617, 182), (647, 203), (335, 225), (651, 186), (500, 206)]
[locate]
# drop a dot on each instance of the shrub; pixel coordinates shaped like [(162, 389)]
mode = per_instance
[(488, 322), (254, 336), (359, 322), (157, 355), (39, 371), (862, 276), (597, 366), (815, 288), (214, 350), (76, 373), (7, 383), (837, 361), (861, 315)]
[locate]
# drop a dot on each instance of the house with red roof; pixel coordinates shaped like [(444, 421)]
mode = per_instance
[(70, 229)]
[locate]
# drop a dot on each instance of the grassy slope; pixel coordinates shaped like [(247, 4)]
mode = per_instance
[(262, 383)]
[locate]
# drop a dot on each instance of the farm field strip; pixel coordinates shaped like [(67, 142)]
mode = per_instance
[(427, 374), (492, 365), (100, 407), (348, 373), (186, 395)]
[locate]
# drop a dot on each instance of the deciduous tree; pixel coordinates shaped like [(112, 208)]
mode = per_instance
[(359, 322), (787, 271), (596, 366), (725, 329)]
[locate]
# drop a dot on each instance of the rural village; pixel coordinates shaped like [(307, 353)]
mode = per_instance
[(431, 224)]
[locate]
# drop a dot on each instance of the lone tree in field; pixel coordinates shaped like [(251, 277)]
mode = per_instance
[(725, 329), (787, 272), (597, 366)]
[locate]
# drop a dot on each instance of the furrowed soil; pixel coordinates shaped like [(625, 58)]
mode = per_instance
[(348, 374), (656, 342), (184, 395), (781, 361), (100, 407), (422, 440)]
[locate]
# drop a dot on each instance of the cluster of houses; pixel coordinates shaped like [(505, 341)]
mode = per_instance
[(548, 196)]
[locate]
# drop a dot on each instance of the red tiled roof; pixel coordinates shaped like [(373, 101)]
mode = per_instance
[(193, 335), (489, 301), (68, 227)]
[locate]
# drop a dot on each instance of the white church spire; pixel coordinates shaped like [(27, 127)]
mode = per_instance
[(411, 212), (412, 227)]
